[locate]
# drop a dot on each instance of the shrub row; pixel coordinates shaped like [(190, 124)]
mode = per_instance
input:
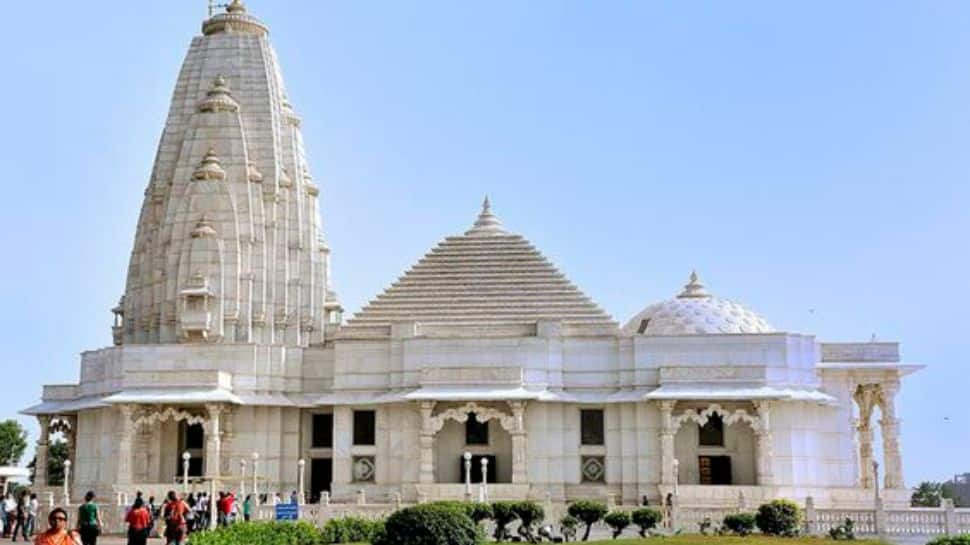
[(457, 523)]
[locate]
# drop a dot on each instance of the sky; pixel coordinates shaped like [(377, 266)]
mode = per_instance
[(807, 158)]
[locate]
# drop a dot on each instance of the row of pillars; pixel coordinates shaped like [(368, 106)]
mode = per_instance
[(867, 398)]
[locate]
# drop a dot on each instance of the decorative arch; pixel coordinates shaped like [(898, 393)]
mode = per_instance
[(482, 414), (728, 417), (149, 417)]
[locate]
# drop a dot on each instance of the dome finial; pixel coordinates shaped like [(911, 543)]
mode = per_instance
[(487, 222), (694, 288), (236, 6)]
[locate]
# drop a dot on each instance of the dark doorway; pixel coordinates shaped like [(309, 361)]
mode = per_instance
[(477, 468), (714, 469), (321, 475), (191, 440)]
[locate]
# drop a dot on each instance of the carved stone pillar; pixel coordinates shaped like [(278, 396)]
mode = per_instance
[(40, 468), (426, 444), (865, 454), (667, 433), (213, 439), (228, 438), (892, 460), (865, 397), (71, 437), (519, 455), (763, 438), (126, 434)]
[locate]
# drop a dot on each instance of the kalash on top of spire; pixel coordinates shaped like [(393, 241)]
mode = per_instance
[(231, 157)]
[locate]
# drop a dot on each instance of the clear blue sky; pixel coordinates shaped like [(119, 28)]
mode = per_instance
[(800, 156)]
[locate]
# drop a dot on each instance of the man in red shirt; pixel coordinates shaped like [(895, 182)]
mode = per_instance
[(174, 512)]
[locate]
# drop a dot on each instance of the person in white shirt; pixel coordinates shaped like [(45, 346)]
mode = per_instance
[(33, 506), (276, 499)]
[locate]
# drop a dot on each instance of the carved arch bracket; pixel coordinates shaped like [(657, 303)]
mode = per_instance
[(701, 417), (148, 417), (482, 414)]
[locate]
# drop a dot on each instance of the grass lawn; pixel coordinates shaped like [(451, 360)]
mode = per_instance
[(753, 539)]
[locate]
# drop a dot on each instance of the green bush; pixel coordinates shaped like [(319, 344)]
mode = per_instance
[(480, 511), (529, 514), (428, 524), (951, 540), (844, 531), (351, 530), (618, 521), (779, 518), (261, 533), (503, 513), (741, 524), (646, 518), (588, 512), (568, 525)]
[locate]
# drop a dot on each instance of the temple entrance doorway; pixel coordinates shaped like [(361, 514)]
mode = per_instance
[(321, 475), (191, 440)]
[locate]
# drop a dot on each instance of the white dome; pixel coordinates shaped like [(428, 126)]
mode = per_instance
[(696, 312)]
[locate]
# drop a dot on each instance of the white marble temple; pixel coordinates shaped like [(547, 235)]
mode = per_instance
[(230, 346)]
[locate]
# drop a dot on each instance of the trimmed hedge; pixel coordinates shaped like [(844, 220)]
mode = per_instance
[(617, 521), (588, 512), (429, 524), (779, 518), (261, 533), (503, 513), (646, 518), (951, 540), (741, 524), (351, 530)]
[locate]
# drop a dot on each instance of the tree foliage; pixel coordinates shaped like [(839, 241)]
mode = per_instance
[(932, 494), (57, 453), (13, 442)]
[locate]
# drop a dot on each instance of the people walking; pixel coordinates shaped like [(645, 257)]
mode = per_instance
[(248, 507), (57, 534), (139, 521), (20, 525), (173, 511), (89, 520)]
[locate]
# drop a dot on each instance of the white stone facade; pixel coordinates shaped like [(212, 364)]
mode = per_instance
[(229, 322)]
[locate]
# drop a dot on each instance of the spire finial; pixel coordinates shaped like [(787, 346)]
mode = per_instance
[(487, 222), (694, 289)]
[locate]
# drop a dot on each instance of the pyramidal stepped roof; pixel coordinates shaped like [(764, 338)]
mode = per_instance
[(486, 276)]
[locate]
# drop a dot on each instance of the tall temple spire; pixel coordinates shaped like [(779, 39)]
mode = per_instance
[(230, 197)]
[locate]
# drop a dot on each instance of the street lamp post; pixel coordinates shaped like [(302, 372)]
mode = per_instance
[(468, 476), (483, 490), (255, 472), (67, 482), (186, 456), (242, 478), (302, 466)]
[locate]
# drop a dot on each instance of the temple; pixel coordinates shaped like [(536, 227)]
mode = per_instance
[(232, 363)]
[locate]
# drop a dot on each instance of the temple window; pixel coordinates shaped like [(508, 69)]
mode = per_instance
[(712, 433), (591, 427), (322, 431), (476, 433), (364, 427)]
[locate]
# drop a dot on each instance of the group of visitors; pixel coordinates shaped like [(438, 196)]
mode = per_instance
[(19, 517), (177, 517)]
